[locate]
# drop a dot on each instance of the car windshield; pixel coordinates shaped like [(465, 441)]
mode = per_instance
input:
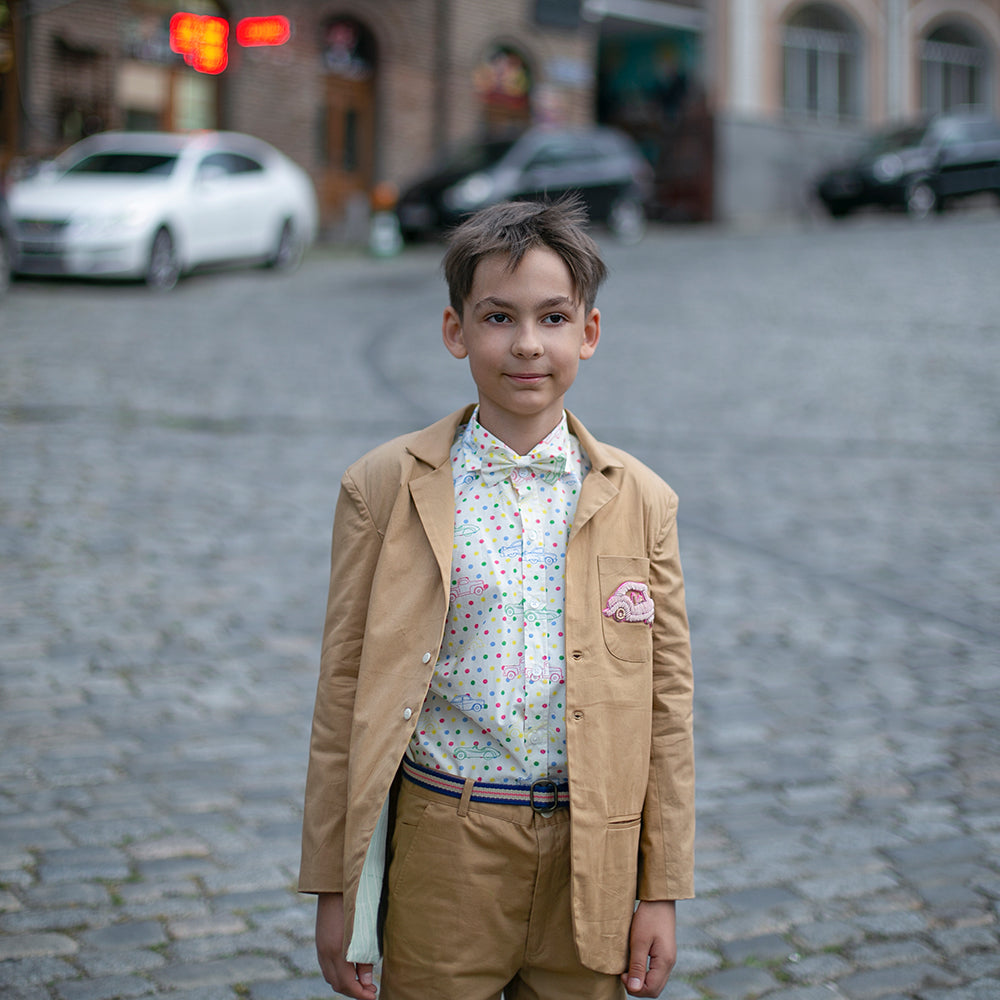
[(897, 139), (148, 164)]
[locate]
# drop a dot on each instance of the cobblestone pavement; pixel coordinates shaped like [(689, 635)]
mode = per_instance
[(825, 400)]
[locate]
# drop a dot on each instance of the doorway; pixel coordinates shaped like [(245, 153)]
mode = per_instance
[(348, 119)]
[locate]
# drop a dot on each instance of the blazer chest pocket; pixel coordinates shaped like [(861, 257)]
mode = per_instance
[(627, 608)]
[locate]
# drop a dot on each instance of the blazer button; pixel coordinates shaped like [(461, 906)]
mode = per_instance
[(407, 713), (426, 658)]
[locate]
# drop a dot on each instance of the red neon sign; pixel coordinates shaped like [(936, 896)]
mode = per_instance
[(274, 30), (203, 41)]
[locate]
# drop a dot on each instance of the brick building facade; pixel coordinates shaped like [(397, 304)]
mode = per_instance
[(736, 102), (362, 91)]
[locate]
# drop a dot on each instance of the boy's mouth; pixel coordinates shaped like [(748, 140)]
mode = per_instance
[(526, 378)]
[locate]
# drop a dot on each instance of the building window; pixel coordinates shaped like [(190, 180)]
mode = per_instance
[(821, 64), (155, 88), (953, 70), (348, 49)]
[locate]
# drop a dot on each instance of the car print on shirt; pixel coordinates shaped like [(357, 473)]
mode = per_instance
[(465, 586), (532, 616), (481, 753), (464, 530), (468, 703), (535, 554), (543, 673), (630, 603)]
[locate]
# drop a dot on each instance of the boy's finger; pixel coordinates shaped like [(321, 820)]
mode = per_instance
[(365, 978), (636, 975), (657, 975)]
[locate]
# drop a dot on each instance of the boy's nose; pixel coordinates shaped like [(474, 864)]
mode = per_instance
[(527, 344)]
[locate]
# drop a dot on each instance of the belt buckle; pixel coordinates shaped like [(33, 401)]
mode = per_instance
[(549, 786)]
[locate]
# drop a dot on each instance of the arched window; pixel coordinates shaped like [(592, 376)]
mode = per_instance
[(821, 64), (954, 67)]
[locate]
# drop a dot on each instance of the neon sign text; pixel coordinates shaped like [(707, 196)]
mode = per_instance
[(275, 30), (203, 41)]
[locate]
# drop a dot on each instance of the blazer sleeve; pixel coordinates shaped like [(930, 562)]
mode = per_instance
[(354, 554), (666, 849)]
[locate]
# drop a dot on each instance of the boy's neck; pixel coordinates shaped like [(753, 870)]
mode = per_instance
[(524, 436)]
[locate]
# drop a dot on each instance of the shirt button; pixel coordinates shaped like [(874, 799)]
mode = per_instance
[(407, 713), (426, 658)]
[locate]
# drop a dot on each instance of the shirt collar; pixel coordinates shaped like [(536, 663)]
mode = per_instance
[(475, 441)]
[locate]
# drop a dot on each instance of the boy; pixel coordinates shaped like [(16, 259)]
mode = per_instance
[(505, 683)]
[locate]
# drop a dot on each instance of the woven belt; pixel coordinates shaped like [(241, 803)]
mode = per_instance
[(543, 795)]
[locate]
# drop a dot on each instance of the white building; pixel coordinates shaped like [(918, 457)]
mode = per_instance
[(795, 82)]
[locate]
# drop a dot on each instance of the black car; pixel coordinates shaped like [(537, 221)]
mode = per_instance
[(603, 165), (919, 167)]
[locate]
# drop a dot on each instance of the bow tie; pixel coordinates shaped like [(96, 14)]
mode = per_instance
[(498, 466)]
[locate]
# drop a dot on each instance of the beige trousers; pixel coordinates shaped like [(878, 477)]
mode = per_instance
[(479, 905)]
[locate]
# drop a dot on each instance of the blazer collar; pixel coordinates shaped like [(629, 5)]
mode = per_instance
[(602, 458), (433, 494), (432, 445), (599, 487)]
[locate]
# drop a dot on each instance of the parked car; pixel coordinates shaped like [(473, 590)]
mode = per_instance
[(6, 246), (603, 165), (919, 167), (155, 205)]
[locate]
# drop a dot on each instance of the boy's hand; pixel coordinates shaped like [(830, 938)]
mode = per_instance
[(652, 948), (345, 977)]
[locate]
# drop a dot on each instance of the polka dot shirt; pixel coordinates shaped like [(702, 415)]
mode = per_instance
[(495, 710)]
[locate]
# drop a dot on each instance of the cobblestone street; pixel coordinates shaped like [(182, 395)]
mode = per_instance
[(825, 400)]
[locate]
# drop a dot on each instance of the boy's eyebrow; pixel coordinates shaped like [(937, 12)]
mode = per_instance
[(556, 302)]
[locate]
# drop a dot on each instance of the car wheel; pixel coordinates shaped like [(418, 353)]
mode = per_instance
[(288, 250), (164, 266), (627, 219), (921, 200)]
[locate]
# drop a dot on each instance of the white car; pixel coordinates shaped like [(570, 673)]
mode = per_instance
[(155, 205)]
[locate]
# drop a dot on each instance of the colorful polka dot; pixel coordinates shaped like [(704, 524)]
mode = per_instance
[(505, 617)]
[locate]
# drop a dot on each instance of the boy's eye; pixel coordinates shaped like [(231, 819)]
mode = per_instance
[(497, 318), (554, 318)]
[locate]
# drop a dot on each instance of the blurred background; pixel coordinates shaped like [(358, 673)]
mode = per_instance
[(823, 395), (736, 106)]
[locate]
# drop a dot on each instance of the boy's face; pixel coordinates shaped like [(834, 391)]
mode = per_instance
[(524, 333)]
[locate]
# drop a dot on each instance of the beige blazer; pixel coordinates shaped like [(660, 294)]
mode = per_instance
[(628, 685)]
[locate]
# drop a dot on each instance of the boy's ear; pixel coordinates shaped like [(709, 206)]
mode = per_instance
[(452, 333), (591, 334)]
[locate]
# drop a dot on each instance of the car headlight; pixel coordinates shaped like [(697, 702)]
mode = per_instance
[(474, 192), (120, 220), (888, 168)]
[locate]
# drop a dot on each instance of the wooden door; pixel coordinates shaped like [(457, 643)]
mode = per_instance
[(350, 143)]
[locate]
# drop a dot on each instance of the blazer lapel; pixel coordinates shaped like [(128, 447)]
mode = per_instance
[(598, 487), (434, 497), (433, 491)]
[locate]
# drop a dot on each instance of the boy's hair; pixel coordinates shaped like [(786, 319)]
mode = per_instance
[(513, 228)]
